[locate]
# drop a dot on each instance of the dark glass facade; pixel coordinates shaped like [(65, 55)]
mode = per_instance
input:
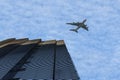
[(24, 59)]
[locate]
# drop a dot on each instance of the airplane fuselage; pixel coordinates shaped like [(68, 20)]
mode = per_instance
[(79, 24)]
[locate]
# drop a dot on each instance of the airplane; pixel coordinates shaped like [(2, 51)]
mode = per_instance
[(79, 25)]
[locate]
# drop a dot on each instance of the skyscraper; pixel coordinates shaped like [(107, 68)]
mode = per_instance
[(22, 59)]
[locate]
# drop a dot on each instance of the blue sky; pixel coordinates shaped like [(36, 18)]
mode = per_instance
[(96, 54)]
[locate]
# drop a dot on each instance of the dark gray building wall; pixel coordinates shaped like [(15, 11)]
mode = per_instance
[(32, 59), (41, 64), (64, 65)]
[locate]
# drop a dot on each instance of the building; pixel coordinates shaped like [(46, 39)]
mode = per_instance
[(24, 59)]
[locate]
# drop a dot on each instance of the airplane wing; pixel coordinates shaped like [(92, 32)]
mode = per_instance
[(68, 23), (84, 21), (77, 28), (71, 23)]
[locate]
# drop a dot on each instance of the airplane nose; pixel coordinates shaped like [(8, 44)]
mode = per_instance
[(87, 28)]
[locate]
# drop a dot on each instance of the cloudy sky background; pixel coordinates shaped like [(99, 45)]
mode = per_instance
[(96, 54)]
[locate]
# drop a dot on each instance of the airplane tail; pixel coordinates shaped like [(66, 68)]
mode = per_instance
[(74, 30)]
